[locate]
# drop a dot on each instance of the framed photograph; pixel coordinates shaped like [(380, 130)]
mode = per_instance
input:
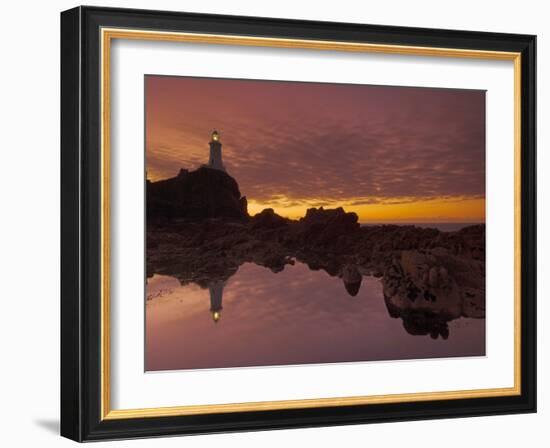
[(273, 223)]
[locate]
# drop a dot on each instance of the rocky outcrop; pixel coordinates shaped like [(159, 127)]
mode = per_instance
[(197, 195), (267, 219), (209, 250), (325, 225)]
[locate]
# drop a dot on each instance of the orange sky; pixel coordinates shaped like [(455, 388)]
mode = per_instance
[(391, 154)]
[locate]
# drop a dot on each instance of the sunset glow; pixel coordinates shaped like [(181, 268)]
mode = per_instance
[(389, 154), (417, 211)]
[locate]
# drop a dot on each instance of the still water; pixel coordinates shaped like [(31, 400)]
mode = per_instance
[(297, 316)]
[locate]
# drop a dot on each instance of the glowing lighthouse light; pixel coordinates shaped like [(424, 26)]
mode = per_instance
[(215, 159)]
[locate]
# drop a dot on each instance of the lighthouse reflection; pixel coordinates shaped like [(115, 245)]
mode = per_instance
[(216, 297)]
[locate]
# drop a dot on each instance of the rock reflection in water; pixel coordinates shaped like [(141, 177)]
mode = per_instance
[(301, 316), (352, 279), (419, 289)]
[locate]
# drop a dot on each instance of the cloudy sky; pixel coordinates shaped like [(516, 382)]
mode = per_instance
[(391, 154)]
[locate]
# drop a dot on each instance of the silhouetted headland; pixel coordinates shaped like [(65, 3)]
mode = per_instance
[(196, 195)]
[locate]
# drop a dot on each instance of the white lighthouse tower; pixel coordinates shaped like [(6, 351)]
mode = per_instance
[(215, 160)]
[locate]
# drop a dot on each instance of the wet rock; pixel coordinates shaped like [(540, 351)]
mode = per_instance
[(327, 228)]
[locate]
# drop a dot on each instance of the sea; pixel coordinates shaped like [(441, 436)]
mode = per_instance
[(442, 226)]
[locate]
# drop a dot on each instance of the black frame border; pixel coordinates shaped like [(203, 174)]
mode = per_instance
[(81, 225)]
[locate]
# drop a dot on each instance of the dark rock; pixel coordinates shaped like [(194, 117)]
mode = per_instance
[(197, 195), (268, 219), (329, 221)]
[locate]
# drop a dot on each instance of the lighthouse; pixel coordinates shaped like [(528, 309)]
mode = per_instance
[(215, 160)]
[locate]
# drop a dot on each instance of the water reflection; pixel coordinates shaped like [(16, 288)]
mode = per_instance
[(216, 297), (301, 316), (352, 279)]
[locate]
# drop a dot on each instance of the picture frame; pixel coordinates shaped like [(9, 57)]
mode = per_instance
[(86, 278)]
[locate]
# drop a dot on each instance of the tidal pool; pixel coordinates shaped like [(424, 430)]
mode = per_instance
[(296, 316)]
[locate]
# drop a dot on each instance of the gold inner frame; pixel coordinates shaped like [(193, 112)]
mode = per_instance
[(107, 35)]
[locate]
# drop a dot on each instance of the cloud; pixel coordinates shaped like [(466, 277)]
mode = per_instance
[(309, 140)]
